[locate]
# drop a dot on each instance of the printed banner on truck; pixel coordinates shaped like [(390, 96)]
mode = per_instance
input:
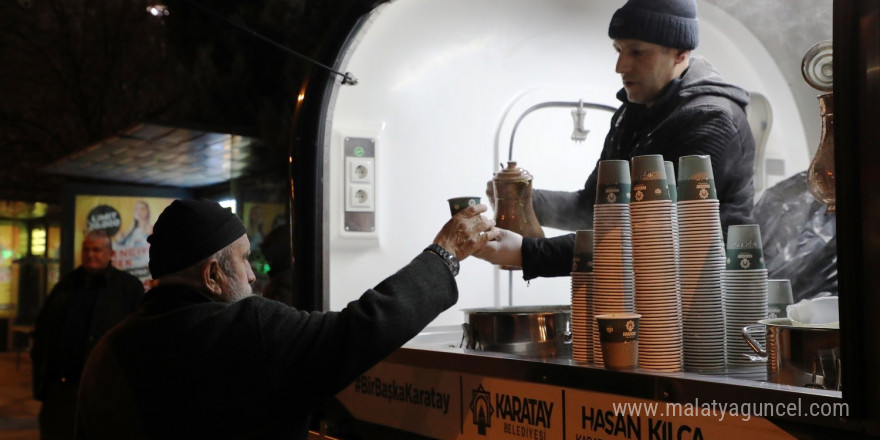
[(449, 405)]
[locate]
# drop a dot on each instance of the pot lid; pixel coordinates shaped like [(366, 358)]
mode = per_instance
[(512, 172)]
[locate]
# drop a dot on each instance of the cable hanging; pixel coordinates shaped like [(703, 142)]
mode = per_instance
[(347, 77)]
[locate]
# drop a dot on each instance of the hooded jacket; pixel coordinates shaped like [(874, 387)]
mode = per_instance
[(698, 113)]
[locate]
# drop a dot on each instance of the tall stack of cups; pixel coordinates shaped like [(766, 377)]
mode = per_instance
[(582, 325), (655, 267), (701, 265), (745, 289), (612, 244)]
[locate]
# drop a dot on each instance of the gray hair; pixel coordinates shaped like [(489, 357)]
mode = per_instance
[(99, 234)]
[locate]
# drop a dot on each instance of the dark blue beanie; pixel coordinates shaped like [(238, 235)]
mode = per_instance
[(669, 23), (189, 231)]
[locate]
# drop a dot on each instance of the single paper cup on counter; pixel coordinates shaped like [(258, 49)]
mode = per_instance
[(619, 337)]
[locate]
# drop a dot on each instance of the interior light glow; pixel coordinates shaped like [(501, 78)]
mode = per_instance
[(158, 10), (38, 242)]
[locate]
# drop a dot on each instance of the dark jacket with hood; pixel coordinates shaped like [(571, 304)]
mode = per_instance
[(185, 366), (697, 113)]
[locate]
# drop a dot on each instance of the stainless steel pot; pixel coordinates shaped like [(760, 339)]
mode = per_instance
[(801, 356), (534, 331)]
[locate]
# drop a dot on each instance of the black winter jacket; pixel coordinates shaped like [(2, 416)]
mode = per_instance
[(697, 113), (187, 367), (117, 295)]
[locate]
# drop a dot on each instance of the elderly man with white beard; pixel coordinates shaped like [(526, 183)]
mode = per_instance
[(205, 358)]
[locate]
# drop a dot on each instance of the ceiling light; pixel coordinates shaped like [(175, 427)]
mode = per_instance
[(158, 10)]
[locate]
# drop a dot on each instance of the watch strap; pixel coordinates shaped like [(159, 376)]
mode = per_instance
[(446, 256)]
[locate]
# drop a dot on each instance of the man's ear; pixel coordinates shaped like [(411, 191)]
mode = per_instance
[(210, 276), (682, 56)]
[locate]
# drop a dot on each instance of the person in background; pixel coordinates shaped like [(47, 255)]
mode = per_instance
[(674, 104), (205, 358), (276, 248), (78, 311)]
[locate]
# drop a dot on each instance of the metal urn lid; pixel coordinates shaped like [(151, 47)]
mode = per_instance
[(512, 173)]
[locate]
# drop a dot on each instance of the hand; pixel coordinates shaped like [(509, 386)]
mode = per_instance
[(467, 231), (506, 250), (490, 193)]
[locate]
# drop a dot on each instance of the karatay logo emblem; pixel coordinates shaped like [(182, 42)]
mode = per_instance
[(703, 193), (639, 196), (481, 407), (611, 197), (630, 325), (745, 263)]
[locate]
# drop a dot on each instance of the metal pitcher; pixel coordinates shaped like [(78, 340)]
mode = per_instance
[(513, 201)]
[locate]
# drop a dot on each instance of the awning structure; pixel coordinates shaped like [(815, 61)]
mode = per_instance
[(152, 154)]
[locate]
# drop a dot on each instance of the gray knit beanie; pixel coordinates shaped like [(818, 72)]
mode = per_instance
[(669, 23)]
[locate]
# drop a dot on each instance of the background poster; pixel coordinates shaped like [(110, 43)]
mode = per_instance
[(127, 219)]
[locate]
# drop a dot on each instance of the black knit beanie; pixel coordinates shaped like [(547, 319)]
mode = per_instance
[(669, 23), (189, 231)]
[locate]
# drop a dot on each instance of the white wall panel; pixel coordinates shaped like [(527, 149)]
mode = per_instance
[(440, 82)]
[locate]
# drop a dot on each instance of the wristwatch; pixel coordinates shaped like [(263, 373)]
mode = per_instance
[(448, 258)]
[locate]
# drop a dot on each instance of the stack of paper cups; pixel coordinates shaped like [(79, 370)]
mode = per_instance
[(701, 266), (582, 325), (745, 289), (612, 244), (655, 267)]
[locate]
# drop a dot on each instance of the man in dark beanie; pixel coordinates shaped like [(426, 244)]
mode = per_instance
[(674, 105), (205, 358)]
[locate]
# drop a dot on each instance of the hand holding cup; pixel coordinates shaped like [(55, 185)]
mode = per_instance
[(467, 231)]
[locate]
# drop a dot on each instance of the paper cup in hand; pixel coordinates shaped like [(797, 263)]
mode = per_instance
[(458, 203), (619, 336)]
